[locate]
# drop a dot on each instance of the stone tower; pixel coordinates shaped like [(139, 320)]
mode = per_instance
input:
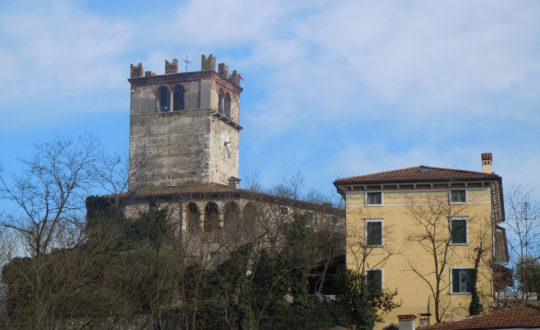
[(184, 127)]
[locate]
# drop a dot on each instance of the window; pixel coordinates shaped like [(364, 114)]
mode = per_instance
[(284, 210), (458, 196), (374, 198), (220, 101), (374, 281), (164, 97), (458, 230), (374, 232), (227, 105), (178, 98), (461, 280)]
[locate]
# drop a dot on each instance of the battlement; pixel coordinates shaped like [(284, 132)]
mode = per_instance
[(208, 64), (171, 67)]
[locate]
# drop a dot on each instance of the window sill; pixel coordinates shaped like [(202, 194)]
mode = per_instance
[(459, 244), (373, 205), (374, 246), (460, 293), (454, 203)]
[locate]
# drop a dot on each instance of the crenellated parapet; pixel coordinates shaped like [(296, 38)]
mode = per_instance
[(234, 78), (208, 64), (136, 70), (223, 70), (171, 67)]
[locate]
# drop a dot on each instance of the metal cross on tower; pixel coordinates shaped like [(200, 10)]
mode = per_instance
[(186, 60)]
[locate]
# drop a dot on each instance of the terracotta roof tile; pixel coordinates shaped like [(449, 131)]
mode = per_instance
[(418, 174), (215, 189), (193, 188), (516, 317)]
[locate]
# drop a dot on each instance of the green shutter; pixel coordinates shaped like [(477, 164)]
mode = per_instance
[(459, 231), (374, 233), (455, 280)]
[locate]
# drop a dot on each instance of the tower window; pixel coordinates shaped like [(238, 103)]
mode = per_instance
[(221, 101), (164, 97), (178, 98), (227, 105)]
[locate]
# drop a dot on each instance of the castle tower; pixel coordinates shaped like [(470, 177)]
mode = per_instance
[(184, 127)]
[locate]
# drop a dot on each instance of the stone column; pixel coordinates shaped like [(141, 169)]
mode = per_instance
[(220, 219), (201, 221)]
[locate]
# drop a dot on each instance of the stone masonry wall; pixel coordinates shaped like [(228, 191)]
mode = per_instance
[(196, 144), (224, 153), (166, 151)]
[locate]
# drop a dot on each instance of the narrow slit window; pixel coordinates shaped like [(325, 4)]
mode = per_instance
[(227, 105), (221, 101)]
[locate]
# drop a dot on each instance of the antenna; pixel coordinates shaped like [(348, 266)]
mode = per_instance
[(186, 60)]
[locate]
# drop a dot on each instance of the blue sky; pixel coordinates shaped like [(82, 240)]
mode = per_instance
[(333, 88)]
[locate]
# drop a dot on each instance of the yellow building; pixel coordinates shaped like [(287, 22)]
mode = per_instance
[(420, 231)]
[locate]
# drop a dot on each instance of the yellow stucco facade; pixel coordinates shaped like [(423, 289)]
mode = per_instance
[(419, 222)]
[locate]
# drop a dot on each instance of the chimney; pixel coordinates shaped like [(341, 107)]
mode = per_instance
[(486, 162), (406, 322), (234, 182)]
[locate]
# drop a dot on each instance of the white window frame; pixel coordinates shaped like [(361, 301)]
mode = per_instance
[(382, 276), (466, 229), (368, 220), (450, 196), (366, 198), (452, 280)]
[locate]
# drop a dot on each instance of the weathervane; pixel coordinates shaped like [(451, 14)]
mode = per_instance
[(186, 60)]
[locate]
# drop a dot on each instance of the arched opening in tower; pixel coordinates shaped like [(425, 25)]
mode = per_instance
[(227, 105), (193, 223), (251, 216), (221, 102), (231, 217), (164, 98), (178, 98), (211, 220)]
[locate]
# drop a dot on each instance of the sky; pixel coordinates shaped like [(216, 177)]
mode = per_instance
[(332, 88)]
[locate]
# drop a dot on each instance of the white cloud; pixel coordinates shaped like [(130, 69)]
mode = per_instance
[(430, 66), (54, 52), (432, 54), (225, 22)]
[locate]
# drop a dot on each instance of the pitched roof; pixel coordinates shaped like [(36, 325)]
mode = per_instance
[(214, 190), (418, 174), (516, 317)]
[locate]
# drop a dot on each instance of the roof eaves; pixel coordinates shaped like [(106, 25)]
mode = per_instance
[(441, 180)]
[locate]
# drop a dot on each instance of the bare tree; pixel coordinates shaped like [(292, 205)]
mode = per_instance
[(523, 224), (433, 233), (252, 181), (112, 172), (49, 197)]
